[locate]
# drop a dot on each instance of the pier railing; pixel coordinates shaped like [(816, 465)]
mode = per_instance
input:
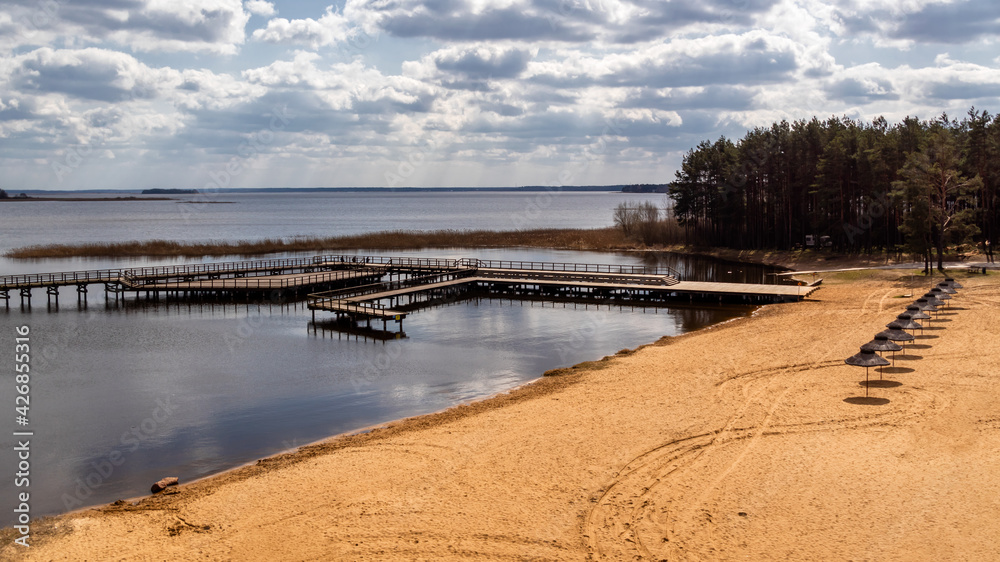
[(414, 263), (574, 267), (345, 261), (261, 282), (60, 278), (251, 266), (136, 276)]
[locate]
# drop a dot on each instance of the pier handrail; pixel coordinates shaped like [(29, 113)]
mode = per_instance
[(229, 267), (349, 260), (258, 282), (571, 267), (442, 263), (144, 275), (59, 277)]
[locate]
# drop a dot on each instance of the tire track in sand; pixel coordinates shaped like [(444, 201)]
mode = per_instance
[(621, 506), (625, 515)]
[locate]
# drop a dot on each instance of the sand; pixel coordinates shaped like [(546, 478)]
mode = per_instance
[(746, 441)]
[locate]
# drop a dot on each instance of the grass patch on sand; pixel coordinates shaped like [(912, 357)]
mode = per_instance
[(850, 275)]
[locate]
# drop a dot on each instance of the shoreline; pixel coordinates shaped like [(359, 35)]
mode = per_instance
[(437, 492), (325, 444), (86, 199)]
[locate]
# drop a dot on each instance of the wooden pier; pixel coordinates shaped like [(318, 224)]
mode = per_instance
[(365, 288), (292, 277), (392, 301)]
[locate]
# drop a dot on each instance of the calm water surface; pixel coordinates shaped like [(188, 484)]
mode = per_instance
[(124, 395), (254, 216)]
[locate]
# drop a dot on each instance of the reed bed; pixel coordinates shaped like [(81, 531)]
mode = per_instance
[(602, 239)]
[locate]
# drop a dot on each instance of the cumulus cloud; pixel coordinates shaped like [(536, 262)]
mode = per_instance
[(655, 17), (16, 109), (261, 8), (922, 21), (349, 87), (529, 82), (470, 67), (470, 20), (483, 62), (574, 21), (957, 22), (702, 97), (860, 90), (331, 28), (89, 74), (141, 25), (747, 59)]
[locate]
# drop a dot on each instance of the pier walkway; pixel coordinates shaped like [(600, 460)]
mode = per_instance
[(375, 287), (297, 276), (391, 301)]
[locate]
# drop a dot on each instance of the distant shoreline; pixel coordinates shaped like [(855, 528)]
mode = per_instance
[(632, 188), (83, 199)]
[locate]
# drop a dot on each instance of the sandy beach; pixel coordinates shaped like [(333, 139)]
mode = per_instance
[(746, 441)]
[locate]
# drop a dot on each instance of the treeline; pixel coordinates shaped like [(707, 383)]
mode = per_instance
[(646, 188), (916, 185), (5, 195)]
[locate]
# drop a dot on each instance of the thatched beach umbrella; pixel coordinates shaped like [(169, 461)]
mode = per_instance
[(917, 314), (924, 305), (933, 299), (896, 333), (866, 358), (946, 288), (954, 284), (940, 295), (906, 322), (882, 343)]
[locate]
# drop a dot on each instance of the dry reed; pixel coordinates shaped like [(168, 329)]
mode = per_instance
[(603, 239)]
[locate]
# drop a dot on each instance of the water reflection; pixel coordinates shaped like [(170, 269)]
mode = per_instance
[(706, 268), (189, 388)]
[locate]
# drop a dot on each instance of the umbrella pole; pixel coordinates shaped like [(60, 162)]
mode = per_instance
[(866, 382)]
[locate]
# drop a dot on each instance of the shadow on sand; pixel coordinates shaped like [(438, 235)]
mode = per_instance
[(881, 383), (894, 370), (866, 401)]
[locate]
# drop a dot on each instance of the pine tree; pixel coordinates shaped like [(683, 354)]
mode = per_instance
[(937, 198)]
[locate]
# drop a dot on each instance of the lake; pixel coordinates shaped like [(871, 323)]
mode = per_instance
[(124, 395)]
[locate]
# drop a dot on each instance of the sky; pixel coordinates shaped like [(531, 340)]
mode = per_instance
[(207, 94)]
